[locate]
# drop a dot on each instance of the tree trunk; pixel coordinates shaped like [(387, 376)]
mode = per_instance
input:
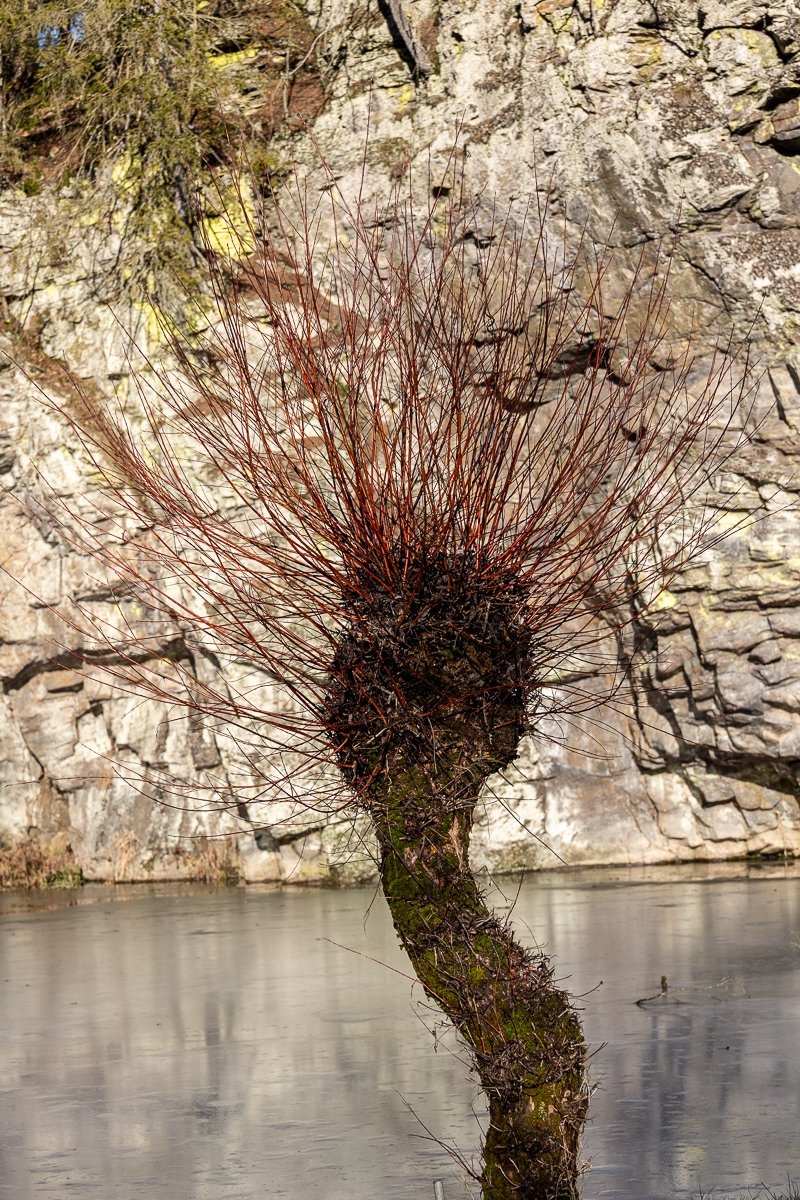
[(428, 699), (525, 1038)]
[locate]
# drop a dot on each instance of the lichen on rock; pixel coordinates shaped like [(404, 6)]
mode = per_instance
[(639, 125)]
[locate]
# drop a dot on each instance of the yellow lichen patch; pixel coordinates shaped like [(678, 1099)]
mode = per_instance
[(764, 132), (229, 221), (743, 55), (121, 169), (647, 53), (151, 323), (761, 43), (229, 236), (663, 601), (402, 95), (728, 521), (221, 61), (557, 14)]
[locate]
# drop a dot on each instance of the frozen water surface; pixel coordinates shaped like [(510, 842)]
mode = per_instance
[(166, 1043)]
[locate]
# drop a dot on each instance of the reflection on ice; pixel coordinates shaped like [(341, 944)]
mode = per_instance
[(201, 1045)]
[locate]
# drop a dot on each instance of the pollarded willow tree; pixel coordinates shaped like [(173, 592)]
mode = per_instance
[(428, 471)]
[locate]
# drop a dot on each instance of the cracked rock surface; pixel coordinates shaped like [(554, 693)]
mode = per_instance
[(654, 123)]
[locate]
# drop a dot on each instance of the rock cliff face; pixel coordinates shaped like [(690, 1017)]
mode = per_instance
[(638, 121)]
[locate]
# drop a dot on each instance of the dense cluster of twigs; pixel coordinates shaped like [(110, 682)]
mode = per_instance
[(403, 418)]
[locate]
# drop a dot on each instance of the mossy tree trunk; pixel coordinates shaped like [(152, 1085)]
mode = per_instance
[(427, 700), (523, 1033)]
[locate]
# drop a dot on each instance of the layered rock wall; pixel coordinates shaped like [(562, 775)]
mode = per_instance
[(644, 126)]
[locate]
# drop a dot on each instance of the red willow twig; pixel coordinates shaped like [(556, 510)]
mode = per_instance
[(406, 388)]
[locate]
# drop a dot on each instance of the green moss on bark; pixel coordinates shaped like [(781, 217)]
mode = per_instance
[(525, 1037), (424, 706)]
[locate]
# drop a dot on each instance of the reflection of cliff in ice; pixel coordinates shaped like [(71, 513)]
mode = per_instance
[(213, 1046), (210, 1045), (701, 1093)]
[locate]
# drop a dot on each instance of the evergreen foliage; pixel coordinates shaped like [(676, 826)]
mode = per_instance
[(146, 100)]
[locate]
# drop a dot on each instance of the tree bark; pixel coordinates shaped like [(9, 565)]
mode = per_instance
[(524, 1035), (428, 698)]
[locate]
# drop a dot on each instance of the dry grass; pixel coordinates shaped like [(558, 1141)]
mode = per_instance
[(199, 859), (37, 862), (124, 850), (210, 860), (762, 1192)]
